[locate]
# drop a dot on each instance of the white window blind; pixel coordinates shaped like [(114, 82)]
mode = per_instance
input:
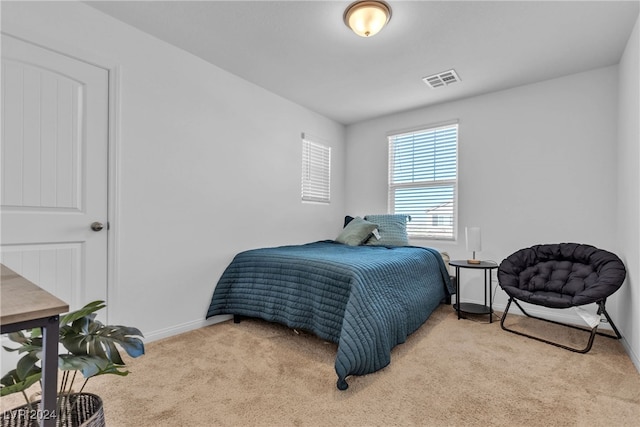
[(423, 175), (316, 171)]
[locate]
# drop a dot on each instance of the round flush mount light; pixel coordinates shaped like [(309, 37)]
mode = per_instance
[(367, 18)]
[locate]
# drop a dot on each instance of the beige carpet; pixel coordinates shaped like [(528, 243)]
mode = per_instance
[(449, 373)]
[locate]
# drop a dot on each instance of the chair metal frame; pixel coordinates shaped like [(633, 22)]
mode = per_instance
[(593, 332)]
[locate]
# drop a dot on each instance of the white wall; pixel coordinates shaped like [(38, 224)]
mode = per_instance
[(537, 164), (207, 165), (628, 242)]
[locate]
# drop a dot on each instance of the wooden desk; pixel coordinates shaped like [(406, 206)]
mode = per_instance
[(24, 305)]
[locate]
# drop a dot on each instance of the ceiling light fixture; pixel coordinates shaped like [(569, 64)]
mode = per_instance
[(367, 18)]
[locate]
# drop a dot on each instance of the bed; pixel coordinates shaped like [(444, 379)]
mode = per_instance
[(367, 298)]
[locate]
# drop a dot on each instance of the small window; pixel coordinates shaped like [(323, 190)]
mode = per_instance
[(423, 176), (316, 171)]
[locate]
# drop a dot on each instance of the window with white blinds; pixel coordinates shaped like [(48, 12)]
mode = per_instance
[(316, 172), (423, 176)]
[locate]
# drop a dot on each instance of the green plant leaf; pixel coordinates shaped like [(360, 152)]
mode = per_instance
[(90, 337), (25, 348), (18, 337), (131, 344), (114, 369), (12, 384), (86, 311), (26, 365), (88, 365)]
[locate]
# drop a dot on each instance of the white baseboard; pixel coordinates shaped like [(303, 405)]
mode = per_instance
[(634, 357), (182, 328)]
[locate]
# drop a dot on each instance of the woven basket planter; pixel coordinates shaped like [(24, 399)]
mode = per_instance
[(81, 410)]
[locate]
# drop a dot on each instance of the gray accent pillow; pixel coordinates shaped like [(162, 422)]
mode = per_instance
[(392, 229), (356, 232)]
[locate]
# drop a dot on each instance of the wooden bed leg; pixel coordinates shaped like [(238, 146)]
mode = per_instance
[(237, 318)]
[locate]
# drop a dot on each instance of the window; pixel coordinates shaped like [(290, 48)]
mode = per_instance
[(423, 175), (316, 171)]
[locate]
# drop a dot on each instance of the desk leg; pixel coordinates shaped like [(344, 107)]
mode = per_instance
[(49, 372)]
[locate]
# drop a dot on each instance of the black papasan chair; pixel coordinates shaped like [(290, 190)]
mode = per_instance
[(561, 275)]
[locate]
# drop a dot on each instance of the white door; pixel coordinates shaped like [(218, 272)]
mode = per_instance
[(54, 171)]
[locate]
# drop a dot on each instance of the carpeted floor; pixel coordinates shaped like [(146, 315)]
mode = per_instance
[(449, 373)]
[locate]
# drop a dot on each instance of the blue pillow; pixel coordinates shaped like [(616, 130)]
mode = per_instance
[(392, 229)]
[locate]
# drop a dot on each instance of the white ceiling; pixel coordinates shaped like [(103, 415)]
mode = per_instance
[(302, 51)]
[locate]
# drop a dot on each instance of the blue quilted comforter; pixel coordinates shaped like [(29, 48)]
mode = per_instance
[(367, 299)]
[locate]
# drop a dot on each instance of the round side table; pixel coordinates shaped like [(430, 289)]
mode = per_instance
[(472, 308)]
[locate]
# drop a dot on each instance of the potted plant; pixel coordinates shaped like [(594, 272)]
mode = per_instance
[(91, 349)]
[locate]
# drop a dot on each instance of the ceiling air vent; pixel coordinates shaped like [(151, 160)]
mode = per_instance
[(444, 78)]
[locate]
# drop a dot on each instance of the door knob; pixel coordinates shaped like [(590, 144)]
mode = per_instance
[(97, 226)]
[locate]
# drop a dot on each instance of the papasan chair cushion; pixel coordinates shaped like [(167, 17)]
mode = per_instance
[(561, 275)]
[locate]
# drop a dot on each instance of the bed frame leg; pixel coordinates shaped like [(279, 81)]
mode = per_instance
[(237, 318), (447, 299)]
